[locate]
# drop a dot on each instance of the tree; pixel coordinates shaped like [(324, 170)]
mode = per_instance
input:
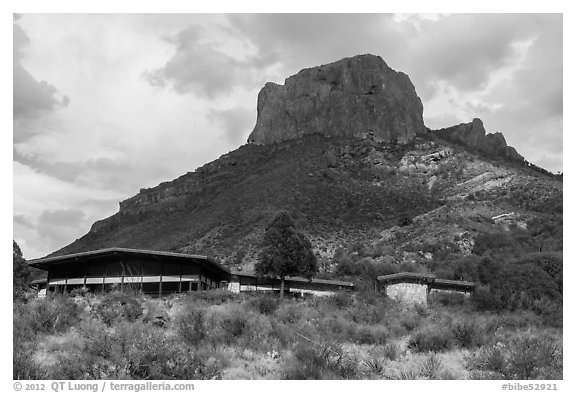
[(21, 274), (285, 252)]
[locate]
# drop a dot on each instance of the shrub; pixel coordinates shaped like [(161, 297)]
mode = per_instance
[(144, 352), (391, 351), (117, 306), (191, 325), (342, 300), (524, 357), (467, 333), (410, 320), (447, 299), (218, 296), (266, 304), (319, 362), (433, 338), (371, 334), (49, 315)]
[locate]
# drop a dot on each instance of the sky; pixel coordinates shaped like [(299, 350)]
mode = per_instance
[(107, 104)]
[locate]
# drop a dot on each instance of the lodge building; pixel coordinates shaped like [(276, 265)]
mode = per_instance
[(161, 273)]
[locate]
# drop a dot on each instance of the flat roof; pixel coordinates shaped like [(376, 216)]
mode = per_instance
[(300, 279), (428, 278), (45, 263), (406, 276)]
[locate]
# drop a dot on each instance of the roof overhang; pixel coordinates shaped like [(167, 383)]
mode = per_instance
[(426, 279), (300, 279), (87, 256)]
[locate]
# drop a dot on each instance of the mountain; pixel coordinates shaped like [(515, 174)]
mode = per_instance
[(355, 96), (343, 148)]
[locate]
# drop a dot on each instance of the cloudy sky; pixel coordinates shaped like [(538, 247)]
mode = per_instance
[(107, 104)]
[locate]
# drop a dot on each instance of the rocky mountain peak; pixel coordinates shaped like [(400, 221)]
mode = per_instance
[(473, 134), (356, 96)]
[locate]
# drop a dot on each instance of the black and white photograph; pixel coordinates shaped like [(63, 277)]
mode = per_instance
[(287, 196)]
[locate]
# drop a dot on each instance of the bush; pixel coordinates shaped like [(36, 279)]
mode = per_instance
[(218, 296), (468, 333), (371, 334), (525, 357), (431, 338), (145, 352), (319, 362), (191, 325), (266, 304), (342, 300), (50, 315), (118, 306)]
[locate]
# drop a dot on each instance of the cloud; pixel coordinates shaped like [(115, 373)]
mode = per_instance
[(198, 67), (59, 226), (24, 221), (236, 122), (32, 98)]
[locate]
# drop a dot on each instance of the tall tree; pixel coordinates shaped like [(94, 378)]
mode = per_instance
[(21, 274), (285, 252)]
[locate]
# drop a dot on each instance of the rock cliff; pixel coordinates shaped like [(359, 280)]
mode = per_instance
[(356, 96), (474, 135)]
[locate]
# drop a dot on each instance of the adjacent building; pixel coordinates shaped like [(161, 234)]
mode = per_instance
[(414, 288)]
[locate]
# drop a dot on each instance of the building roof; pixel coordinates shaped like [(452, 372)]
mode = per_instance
[(300, 279), (426, 278), (406, 277), (441, 283), (45, 263)]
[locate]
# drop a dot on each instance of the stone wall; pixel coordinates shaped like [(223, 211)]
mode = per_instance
[(408, 293)]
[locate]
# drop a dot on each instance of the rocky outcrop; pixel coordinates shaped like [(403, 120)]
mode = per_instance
[(357, 96), (474, 135)]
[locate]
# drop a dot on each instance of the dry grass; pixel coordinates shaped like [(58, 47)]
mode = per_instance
[(240, 337)]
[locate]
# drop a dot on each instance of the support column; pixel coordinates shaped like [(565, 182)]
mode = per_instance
[(161, 274), (180, 282)]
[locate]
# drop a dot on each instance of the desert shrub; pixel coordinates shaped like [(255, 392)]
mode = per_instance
[(218, 296), (447, 298), (483, 299), (117, 306), (550, 311), (341, 300), (319, 362), (432, 337), (366, 334), (374, 366), (230, 324), (410, 320), (391, 351), (191, 325), (49, 315), (527, 356), (143, 351), (430, 368), (265, 304), (468, 333), (289, 313)]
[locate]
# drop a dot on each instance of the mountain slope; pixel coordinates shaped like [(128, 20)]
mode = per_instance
[(436, 196)]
